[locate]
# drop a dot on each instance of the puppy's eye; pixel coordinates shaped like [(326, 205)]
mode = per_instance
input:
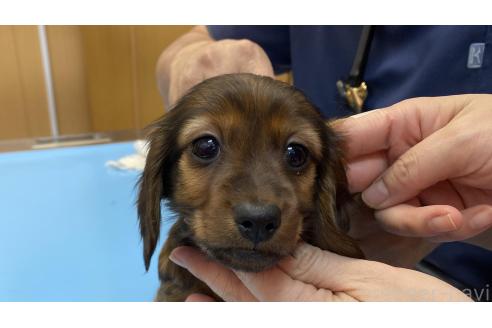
[(205, 148), (296, 155)]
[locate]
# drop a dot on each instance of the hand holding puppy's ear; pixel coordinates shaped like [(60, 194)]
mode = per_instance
[(312, 274), (424, 165)]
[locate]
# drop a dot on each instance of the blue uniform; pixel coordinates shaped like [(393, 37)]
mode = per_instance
[(403, 62)]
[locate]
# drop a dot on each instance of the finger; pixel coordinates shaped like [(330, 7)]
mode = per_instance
[(424, 153), (412, 221), (476, 220), (199, 298), (432, 160), (325, 269), (274, 285), (471, 195), (221, 280), (362, 171), (443, 192), (377, 130), (365, 133)]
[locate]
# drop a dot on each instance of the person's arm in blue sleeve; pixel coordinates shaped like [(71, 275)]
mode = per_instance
[(274, 40)]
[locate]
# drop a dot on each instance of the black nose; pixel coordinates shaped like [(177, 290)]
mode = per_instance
[(257, 222)]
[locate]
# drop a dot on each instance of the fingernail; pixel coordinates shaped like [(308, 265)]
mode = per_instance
[(178, 258), (376, 194), (443, 223), (481, 220)]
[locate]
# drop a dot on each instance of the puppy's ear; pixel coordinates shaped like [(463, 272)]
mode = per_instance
[(155, 183), (331, 226)]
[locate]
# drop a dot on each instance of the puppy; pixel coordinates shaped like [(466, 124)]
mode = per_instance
[(250, 168)]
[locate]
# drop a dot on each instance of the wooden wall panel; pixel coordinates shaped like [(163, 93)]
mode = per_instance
[(149, 43), (23, 108), (104, 78), (68, 71), (120, 63), (32, 79), (13, 122), (108, 62)]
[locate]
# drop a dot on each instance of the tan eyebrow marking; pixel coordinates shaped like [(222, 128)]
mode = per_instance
[(194, 128), (307, 136)]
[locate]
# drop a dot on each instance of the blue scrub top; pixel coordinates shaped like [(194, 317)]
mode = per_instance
[(404, 62)]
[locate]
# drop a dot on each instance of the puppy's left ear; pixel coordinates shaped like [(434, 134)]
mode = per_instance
[(334, 199), (155, 183)]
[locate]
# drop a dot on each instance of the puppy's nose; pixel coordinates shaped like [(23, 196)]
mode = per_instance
[(257, 222)]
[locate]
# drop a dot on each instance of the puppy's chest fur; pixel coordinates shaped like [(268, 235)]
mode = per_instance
[(176, 282)]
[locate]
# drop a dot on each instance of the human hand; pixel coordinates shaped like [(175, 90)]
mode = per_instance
[(199, 61), (311, 274), (425, 165)]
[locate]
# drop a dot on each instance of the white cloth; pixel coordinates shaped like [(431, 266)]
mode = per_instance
[(135, 161)]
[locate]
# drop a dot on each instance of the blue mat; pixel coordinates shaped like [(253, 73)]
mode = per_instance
[(68, 227)]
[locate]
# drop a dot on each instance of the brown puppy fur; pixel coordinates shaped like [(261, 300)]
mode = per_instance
[(253, 119)]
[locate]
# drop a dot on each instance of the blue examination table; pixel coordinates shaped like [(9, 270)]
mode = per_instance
[(69, 229)]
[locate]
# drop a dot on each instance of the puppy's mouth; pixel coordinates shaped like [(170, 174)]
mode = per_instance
[(242, 259)]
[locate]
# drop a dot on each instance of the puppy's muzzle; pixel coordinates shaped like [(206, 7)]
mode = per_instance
[(256, 222)]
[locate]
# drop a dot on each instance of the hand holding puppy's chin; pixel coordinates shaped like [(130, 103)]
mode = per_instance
[(311, 274)]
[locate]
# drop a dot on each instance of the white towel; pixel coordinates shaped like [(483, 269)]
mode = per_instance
[(135, 162)]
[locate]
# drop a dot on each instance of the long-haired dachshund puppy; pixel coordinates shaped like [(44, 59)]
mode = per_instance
[(250, 168)]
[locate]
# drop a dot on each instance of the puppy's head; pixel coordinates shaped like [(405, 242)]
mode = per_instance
[(250, 167)]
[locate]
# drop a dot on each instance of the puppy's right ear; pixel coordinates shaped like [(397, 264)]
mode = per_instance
[(155, 183), (331, 227)]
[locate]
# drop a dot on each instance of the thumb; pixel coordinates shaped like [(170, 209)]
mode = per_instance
[(322, 269), (420, 167)]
